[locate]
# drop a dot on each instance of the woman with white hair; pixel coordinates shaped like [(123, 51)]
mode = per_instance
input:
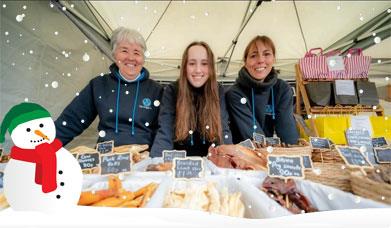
[(126, 100)]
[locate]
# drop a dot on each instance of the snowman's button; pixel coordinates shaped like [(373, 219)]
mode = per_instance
[(60, 172), (58, 196), (62, 183)]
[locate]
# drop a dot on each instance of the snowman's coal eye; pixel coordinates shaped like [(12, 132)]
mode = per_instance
[(40, 125), (28, 129)]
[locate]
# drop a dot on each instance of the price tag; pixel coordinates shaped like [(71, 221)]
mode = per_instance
[(247, 143), (307, 162), (188, 168), (88, 160), (320, 143), (353, 157), (169, 155), (115, 163), (1, 179), (361, 139), (285, 166), (379, 142), (105, 147), (273, 141), (383, 155), (259, 138)]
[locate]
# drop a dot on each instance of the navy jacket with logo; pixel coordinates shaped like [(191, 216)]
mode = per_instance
[(166, 133), (263, 107), (127, 112)]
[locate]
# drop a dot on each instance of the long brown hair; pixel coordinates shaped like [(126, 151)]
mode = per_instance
[(263, 39), (209, 103)]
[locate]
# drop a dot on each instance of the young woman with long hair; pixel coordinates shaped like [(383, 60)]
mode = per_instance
[(193, 115)]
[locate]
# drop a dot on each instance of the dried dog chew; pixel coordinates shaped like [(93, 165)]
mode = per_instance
[(206, 197), (160, 167), (116, 196)]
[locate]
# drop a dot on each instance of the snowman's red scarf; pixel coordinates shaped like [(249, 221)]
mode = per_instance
[(44, 156)]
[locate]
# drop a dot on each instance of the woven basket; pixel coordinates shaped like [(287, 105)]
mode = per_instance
[(365, 187), (330, 174), (303, 148), (326, 156)]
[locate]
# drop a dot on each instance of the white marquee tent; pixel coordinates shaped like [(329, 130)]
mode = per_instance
[(50, 50)]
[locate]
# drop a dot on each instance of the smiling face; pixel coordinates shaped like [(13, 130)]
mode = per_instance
[(197, 67), (33, 133), (259, 60), (129, 58)]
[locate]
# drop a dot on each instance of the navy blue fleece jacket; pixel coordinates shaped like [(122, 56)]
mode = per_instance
[(263, 107), (127, 112), (165, 136)]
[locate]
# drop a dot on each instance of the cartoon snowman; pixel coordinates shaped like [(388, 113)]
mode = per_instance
[(41, 174)]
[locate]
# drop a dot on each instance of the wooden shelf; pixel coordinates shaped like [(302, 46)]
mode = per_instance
[(301, 95)]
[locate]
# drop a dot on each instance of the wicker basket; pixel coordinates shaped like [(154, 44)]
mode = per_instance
[(365, 187), (303, 148), (326, 156), (333, 175)]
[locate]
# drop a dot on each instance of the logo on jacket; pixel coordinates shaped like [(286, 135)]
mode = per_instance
[(268, 110), (146, 103)]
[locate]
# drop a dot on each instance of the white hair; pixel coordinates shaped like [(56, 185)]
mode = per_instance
[(125, 34)]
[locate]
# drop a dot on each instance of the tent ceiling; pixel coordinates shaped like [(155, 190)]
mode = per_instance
[(218, 22)]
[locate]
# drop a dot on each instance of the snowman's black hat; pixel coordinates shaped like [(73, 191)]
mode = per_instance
[(19, 114)]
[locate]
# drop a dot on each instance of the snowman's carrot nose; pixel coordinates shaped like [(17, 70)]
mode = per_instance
[(38, 132)]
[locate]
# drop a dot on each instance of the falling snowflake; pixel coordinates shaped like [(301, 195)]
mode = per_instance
[(64, 123), (26, 99), (243, 100), (269, 149), (146, 124), (330, 196), (19, 18), (156, 103), (86, 57), (6, 33), (56, 33), (82, 120), (377, 40), (102, 133), (54, 84)]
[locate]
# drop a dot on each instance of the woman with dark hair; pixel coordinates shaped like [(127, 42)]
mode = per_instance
[(259, 101), (193, 115)]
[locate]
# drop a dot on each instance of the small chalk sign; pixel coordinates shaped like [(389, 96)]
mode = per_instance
[(307, 162), (105, 147), (1, 179), (169, 155), (319, 143), (353, 157), (247, 143), (379, 142), (115, 163), (88, 160), (285, 166), (188, 168), (273, 141), (383, 155), (361, 139), (259, 138)]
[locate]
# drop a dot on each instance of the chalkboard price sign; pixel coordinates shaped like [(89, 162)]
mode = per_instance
[(247, 143), (169, 155), (273, 141), (361, 139), (353, 157), (105, 147), (259, 138), (88, 160), (1, 179), (285, 166), (115, 163), (307, 162), (320, 143), (188, 168), (379, 142), (383, 155)]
